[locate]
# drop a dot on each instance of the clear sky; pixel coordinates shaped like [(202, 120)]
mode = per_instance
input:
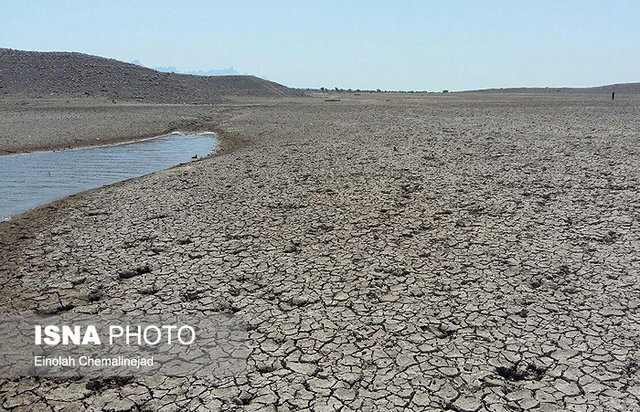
[(410, 45)]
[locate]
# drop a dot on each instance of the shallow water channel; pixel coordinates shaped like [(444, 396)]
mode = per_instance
[(31, 179)]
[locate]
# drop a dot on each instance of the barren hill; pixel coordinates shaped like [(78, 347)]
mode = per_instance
[(35, 74), (622, 88)]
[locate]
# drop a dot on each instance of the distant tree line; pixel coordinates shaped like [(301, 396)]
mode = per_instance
[(339, 90)]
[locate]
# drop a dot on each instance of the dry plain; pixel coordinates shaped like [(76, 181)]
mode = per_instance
[(389, 252)]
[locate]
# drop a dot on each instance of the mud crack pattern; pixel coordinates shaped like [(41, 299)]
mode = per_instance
[(460, 253)]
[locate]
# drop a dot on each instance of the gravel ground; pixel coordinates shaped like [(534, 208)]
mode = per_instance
[(394, 252)]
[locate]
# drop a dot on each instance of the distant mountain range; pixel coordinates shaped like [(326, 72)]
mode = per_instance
[(229, 71)]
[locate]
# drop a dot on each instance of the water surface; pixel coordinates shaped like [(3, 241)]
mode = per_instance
[(31, 179)]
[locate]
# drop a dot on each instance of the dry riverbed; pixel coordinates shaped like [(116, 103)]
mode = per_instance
[(461, 252)]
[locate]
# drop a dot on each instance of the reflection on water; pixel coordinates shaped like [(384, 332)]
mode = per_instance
[(31, 179)]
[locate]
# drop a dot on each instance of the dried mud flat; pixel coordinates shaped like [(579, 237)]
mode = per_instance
[(438, 253)]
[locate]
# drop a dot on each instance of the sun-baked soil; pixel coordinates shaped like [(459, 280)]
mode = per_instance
[(388, 252)]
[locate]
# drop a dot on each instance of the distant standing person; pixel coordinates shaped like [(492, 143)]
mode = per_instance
[(613, 95)]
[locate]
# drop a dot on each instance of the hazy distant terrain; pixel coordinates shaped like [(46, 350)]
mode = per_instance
[(227, 71), (38, 74), (629, 88)]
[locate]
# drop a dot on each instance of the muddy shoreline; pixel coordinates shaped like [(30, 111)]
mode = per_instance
[(28, 125), (388, 253)]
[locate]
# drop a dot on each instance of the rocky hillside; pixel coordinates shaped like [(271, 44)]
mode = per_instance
[(75, 74)]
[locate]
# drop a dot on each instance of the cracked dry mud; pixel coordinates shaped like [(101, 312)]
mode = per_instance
[(463, 253)]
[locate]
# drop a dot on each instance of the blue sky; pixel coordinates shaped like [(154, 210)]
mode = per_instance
[(410, 45)]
